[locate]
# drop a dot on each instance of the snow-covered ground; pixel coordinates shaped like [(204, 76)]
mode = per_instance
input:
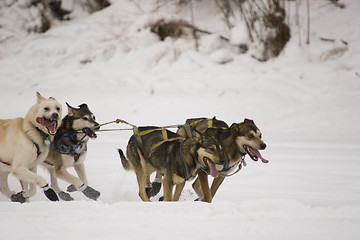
[(306, 103)]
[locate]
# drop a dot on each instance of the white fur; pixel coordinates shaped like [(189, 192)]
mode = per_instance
[(17, 145)]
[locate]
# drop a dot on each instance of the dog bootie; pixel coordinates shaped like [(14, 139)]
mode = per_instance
[(148, 190), (155, 189), (18, 197), (65, 196), (71, 188), (50, 194), (89, 192)]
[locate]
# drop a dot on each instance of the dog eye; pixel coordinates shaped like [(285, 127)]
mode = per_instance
[(46, 109), (85, 118), (212, 148), (251, 136), (58, 109)]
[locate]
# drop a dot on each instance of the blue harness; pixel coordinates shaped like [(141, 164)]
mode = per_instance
[(184, 164), (72, 149)]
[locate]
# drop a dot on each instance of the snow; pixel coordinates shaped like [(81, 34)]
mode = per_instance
[(306, 103)]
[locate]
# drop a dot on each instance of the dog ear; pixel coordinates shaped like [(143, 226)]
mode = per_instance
[(83, 106), (71, 110), (39, 97), (249, 121)]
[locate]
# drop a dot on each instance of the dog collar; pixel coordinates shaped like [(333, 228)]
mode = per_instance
[(37, 148), (42, 133)]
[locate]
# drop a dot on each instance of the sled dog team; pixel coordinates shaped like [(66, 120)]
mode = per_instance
[(200, 147)]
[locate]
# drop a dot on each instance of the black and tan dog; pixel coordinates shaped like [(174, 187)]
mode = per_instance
[(237, 141), (69, 149), (178, 159)]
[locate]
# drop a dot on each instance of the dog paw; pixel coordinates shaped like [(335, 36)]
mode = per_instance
[(18, 197), (155, 189), (50, 194), (91, 193), (65, 196), (71, 188)]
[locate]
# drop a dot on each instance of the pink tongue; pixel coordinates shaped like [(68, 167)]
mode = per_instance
[(49, 125), (257, 153), (40, 120), (213, 171)]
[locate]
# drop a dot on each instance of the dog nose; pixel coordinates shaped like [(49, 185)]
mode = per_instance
[(55, 116), (262, 146)]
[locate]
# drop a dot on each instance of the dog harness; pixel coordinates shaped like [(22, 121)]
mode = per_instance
[(188, 126), (138, 134), (184, 164), (37, 152), (71, 149)]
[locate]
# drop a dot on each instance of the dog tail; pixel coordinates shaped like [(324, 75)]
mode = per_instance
[(124, 161)]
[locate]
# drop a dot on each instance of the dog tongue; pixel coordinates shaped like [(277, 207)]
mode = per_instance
[(40, 120), (50, 125), (258, 154), (213, 171)]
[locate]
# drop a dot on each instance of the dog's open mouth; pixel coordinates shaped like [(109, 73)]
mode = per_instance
[(89, 132), (254, 154), (50, 124), (211, 166)]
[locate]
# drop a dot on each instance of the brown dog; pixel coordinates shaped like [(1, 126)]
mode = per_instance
[(176, 158), (237, 141)]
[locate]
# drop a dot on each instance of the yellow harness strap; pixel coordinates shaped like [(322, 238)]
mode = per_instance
[(165, 139), (187, 129), (188, 126), (138, 139), (139, 134)]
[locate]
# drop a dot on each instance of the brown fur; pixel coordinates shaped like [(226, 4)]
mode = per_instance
[(166, 159), (233, 141)]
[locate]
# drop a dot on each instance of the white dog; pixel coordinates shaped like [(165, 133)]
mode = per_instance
[(24, 143)]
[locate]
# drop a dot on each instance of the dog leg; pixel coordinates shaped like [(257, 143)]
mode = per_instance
[(216, 184), (88, 191), (141, 179), (29, 189), (80, 170), (178, 190), (4, 186), (54, 185), (203, 178), (156, 185), (62, 173), (148, 186), (26, 175), (197, 188), (168, 187)]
